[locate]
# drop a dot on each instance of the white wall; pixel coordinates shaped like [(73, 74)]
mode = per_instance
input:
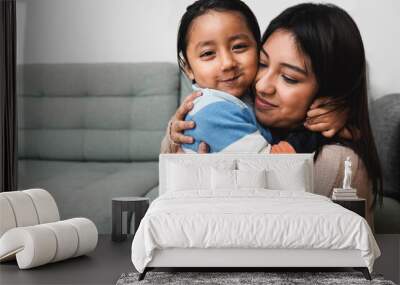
[(51, 31)]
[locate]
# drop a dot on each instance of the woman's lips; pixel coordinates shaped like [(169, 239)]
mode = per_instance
[(261, 103)]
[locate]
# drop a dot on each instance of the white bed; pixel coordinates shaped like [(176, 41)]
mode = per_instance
[(202, 219)]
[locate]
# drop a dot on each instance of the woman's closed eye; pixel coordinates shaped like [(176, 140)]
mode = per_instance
[(262, 65), (289, 79)]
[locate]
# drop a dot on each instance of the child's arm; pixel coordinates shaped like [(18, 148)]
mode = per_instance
[(329, 118), (225, 127)]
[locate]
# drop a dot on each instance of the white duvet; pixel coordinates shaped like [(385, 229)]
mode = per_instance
[(250, 219)]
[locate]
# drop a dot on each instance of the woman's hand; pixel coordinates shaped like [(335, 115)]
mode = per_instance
[(327, 118), (203, 148), (178, 123)]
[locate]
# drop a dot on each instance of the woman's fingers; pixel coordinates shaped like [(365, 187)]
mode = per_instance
[(182, 111), (203, 148), (179, 126), (186, 105), (178, 138), (192, 96)]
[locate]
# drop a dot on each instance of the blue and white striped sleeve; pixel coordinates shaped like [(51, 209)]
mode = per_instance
[(225, 126)]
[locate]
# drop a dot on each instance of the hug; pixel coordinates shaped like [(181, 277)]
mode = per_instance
[(191, 137), (310, 87), (297, 90)]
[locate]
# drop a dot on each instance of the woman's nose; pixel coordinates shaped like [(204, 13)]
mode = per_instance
[(265, 84)]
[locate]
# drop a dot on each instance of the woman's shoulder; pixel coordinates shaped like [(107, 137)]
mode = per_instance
[(329, 168)]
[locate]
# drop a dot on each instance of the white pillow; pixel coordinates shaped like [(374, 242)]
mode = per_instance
[(183, 177), (281, 174), (251, 178), (293, 180), (223, 179), (236, 179), (188, 175)]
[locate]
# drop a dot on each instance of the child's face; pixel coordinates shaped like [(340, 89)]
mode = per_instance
[(222, 52)]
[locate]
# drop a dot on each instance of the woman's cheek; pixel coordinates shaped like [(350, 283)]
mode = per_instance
[(294, 108)]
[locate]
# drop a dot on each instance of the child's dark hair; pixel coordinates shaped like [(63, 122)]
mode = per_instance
[(201, 7)]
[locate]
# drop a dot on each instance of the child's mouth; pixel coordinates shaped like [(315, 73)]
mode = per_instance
[(231, 80)]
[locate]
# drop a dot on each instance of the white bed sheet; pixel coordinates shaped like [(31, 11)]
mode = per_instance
[(252, 218)]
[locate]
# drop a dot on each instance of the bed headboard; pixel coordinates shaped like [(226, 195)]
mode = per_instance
[(275, 161)]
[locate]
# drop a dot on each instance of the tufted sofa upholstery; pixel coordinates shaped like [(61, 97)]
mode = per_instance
[(90, 132), (385, 121)]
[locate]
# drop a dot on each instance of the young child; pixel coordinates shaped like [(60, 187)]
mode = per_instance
[(218, 50)]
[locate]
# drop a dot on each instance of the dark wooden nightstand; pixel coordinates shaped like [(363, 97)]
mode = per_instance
[(355, 205)]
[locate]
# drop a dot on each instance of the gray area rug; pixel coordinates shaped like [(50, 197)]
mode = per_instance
[(229, 278)]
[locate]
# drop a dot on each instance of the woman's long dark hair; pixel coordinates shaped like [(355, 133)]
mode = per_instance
[(330, 38)]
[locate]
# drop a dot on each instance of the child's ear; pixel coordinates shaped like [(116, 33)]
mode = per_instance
[(189, 72)]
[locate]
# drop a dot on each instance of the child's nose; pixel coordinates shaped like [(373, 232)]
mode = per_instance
[(227, 61)]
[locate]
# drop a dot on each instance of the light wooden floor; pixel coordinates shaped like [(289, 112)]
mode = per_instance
[(110, 260)]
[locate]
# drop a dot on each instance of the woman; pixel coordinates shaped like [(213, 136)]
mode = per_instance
[(310, 51)]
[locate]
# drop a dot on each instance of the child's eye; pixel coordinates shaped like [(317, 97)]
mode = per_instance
[(289, 79), (206, 54), (262, 65), (240, 46)]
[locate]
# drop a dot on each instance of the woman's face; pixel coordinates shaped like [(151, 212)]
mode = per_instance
[(285, 85)]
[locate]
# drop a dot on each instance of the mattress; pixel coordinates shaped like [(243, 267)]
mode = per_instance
[(251, 219)]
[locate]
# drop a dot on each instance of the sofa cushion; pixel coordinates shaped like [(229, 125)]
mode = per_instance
[(85, 189), (95, 112), (387, 218), (385, 121)]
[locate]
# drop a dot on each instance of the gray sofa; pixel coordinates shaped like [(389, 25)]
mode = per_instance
[(91, 132)]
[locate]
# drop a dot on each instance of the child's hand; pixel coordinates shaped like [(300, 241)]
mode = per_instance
[(178, 123), (327, 118)]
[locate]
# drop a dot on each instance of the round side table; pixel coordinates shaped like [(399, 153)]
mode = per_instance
[(136, 205)]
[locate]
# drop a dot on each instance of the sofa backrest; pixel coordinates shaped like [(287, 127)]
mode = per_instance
[(385, 122), (95, 112)]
